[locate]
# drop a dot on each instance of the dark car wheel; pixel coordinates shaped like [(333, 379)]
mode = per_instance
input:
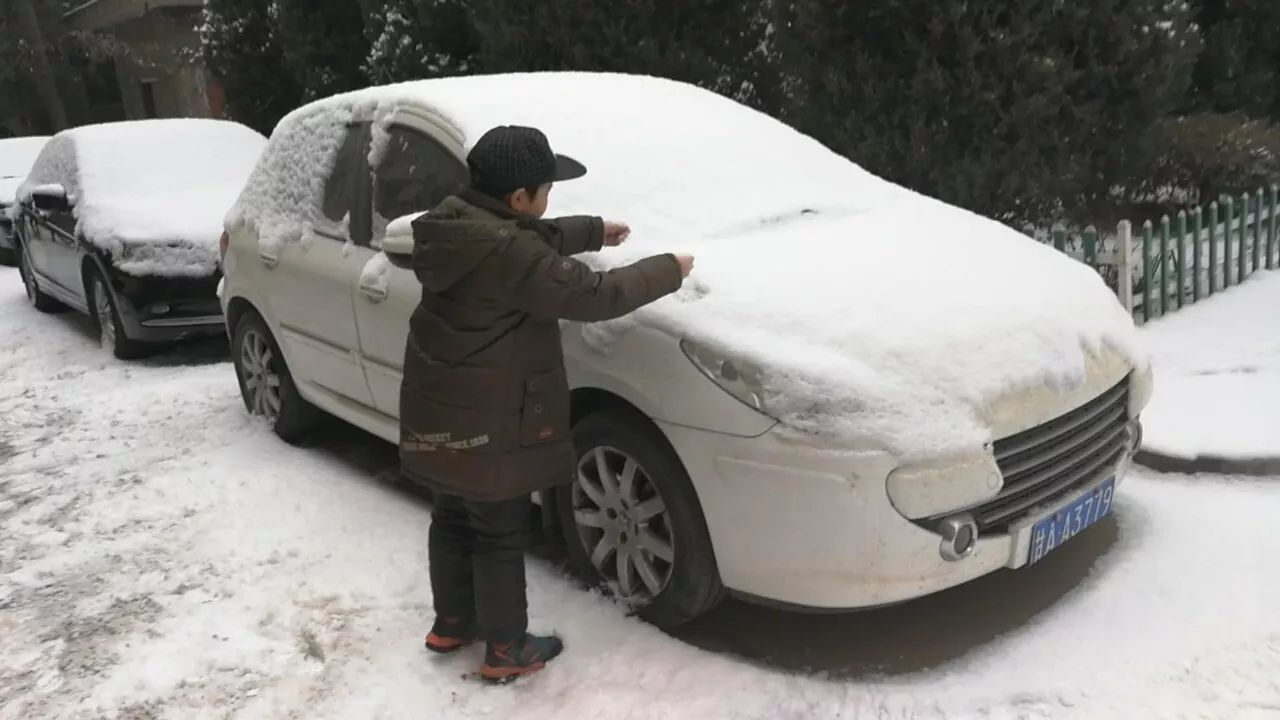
[(8, 257), (35, 296), (632, 522), (265, 383), (111, 332)]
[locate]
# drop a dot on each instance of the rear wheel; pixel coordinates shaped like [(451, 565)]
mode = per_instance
[(8, 256), (35, 296), (632, 522), (266, 384), (111, 331)]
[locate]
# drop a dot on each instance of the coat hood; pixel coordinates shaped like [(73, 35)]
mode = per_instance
[(464, 229)]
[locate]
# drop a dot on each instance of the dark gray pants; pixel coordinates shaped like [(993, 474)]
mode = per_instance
[(476, 550)]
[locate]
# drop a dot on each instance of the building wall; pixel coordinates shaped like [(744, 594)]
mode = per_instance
[(158, 47)]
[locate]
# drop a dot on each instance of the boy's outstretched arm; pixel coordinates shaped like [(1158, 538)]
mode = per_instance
[(551, 286), (577, 234)]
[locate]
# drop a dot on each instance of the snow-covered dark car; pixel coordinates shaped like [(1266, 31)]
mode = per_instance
[(16, 156), (121, 221)]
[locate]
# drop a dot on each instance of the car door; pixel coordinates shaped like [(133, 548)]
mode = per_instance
[(310, 284), (54, 253), (418, 167), (64, 255), (35, 240)]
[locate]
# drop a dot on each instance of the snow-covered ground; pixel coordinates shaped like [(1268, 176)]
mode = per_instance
[(163, 556), (1217, 367)]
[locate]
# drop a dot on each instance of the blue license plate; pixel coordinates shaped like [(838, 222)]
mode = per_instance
[(1071, 520)]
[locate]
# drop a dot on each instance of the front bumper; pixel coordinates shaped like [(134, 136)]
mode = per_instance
[(815, 528), (162, 309)]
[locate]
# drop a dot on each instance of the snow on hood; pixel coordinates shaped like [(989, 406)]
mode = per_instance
[(871, 310), (16, 158), (151, 192)]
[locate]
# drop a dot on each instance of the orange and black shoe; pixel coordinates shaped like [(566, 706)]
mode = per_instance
[(449, 636), (506, 662)]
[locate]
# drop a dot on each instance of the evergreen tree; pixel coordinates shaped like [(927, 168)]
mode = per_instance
[(31, 20), (324, 45), (1239, 70), (1007, 107), (720, 45), (242, 49), (413, 39)]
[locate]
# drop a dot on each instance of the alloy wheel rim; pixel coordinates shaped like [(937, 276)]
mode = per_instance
[(261, 379), (624, 524), (102, 306)]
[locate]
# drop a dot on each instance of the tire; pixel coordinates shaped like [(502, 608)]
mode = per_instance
[(266, 385), (106, 318), (35, 296), (689, 582), (8, 257)]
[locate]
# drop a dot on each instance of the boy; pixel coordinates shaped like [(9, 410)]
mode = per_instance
[(484, 406)]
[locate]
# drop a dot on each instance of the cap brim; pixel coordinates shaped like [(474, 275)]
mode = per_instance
[(568, 169)]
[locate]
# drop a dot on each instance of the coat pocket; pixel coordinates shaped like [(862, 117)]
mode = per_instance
[(544, 417)]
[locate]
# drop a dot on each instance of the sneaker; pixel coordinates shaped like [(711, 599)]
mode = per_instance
[(529, 654), (449, 636)]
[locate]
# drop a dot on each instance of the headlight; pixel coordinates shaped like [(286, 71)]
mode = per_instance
[(742, 380)]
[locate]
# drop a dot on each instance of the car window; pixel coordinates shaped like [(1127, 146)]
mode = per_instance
[(342, 189), (414, 173)]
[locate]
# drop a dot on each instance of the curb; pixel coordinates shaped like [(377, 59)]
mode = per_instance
[(1208, 464)]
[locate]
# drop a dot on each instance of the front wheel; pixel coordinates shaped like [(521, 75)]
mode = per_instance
[(111, 331), (8, 256), (632, 522), (266, 385)]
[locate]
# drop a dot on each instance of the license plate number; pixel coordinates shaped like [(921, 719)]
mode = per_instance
[(1071, 520)]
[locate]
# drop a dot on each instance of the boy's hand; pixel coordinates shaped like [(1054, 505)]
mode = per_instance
[(615, 233), (686, 264)]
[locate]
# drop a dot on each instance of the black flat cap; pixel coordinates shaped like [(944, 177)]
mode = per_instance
[(510, 157)]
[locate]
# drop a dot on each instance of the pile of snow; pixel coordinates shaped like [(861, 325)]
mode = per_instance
[(16, 158), (873, 310), (152, 192), (1217, 364)]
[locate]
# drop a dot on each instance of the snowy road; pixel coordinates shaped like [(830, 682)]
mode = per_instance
[(163, 556)]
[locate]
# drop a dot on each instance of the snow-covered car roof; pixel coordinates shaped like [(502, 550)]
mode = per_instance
[(16, 156), (151, 192), (873, 311)]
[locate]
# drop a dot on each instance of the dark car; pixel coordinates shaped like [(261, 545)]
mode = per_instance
[(122, 221), (16, 156)]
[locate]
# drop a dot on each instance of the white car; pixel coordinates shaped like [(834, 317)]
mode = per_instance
[(861, 396), (16, 157)]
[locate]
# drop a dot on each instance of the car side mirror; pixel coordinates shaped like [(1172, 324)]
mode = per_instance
[(398, 242), (50, 198)]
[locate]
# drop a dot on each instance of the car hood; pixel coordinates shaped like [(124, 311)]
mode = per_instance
[(167, 233), (914, 325)]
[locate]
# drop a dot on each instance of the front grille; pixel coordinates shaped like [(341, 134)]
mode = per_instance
[(1051, 460)]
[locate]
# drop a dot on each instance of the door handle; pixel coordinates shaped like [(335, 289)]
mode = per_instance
[(375, 294), (268, 259)]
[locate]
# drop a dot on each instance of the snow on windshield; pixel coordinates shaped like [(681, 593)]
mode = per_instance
[(874, 311), (152, 192)]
